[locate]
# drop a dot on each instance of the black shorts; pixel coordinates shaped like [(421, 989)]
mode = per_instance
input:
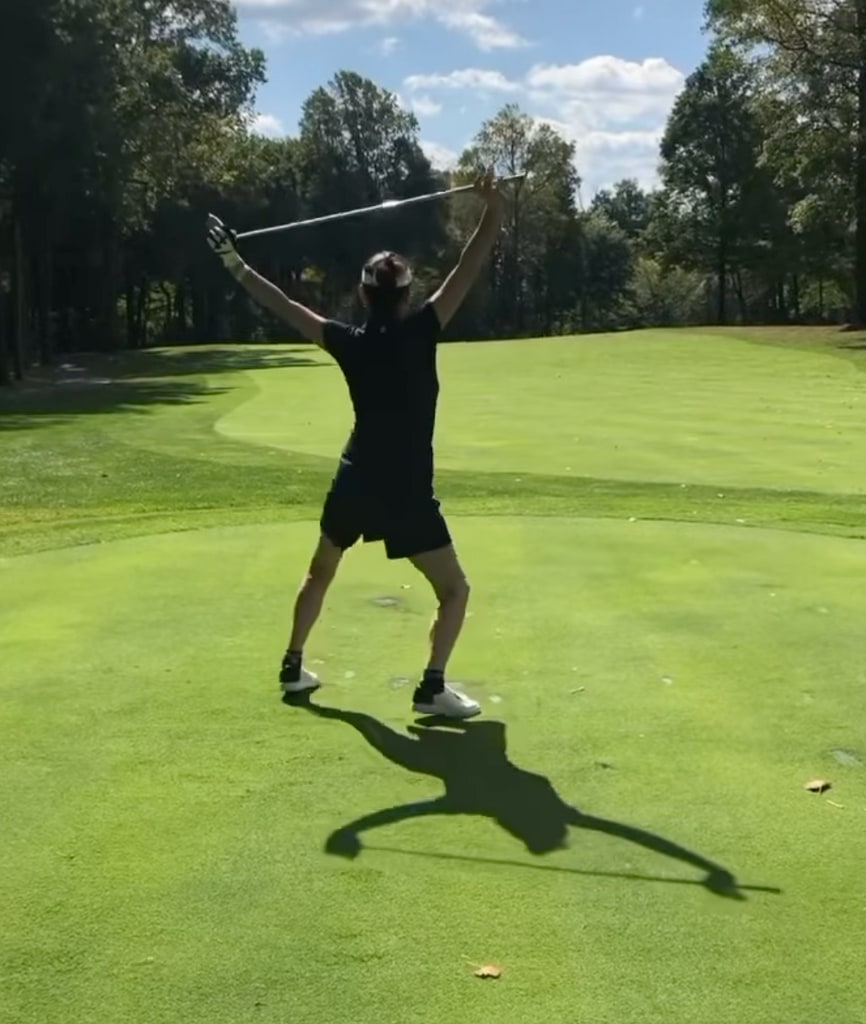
[(410, 523)]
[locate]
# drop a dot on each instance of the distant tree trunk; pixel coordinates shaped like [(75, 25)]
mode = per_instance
[(795, 296), (168, 311), (860, 184), (142, 312), (5, 362), (45, 298), (180, 318), (64, 329), (110, 338), (741, 297), (510, 310), (19, 289), (200, 306), (131, 306), (722, 280)]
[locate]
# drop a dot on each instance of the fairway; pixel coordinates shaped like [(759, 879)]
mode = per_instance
[(664, 536), (683, 407)]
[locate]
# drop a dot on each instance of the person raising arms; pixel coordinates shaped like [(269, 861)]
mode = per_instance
[(383, 488)]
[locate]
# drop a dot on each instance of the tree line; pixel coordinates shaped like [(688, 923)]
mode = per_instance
[(132, 120)]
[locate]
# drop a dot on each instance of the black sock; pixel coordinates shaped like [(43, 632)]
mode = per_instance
[(433, 681), (291, 670)]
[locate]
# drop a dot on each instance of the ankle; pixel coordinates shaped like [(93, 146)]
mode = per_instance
[(290, 670), (433, 680)]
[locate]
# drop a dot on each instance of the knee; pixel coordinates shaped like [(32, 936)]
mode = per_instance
[(322, 570), (456, 591)]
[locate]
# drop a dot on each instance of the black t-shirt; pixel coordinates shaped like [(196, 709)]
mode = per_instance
[(390, 370)]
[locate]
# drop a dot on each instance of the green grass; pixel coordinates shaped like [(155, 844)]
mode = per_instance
[(663, 532)]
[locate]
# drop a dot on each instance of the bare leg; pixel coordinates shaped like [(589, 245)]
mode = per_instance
[(294, 678), (433, 696), (314, 586), (444, 573)]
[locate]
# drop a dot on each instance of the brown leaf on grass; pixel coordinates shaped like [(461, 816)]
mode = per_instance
[(818, 786), (489, 971)]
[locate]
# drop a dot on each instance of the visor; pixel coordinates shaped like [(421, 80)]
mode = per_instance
[(368, 274)]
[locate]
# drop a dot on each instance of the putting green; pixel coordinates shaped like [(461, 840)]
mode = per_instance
[(656, 406), (165, 815)]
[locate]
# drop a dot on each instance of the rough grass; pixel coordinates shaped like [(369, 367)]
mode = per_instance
[(666, 636)]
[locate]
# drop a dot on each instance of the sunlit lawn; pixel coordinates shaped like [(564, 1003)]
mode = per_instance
[(664, 534)]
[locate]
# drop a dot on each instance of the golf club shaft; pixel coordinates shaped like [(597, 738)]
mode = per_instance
[(391, 204)]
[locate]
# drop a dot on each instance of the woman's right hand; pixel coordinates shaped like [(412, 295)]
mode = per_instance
[(487, 187)]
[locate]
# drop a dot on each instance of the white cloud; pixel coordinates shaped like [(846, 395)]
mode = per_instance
[(599, 90), (441, 157), (605, 90), (267, 124), (477, 79), (488, 33), (607, 157), (607, 72), (321, 17), (613, 109), (389, 45), (425, 106)]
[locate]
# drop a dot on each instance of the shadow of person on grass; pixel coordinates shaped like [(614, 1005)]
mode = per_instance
[(470, 759)]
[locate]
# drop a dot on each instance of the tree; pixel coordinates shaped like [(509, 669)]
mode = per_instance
[(124, 105), (710, 165), (358, 148), (627, 206), (663, 296), (813, 53), (534, 272), (606, 267)]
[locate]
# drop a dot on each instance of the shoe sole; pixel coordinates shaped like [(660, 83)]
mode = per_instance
[(429, 709), (290, 688)]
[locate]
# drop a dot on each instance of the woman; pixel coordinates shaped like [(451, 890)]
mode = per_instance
[(383, 489)]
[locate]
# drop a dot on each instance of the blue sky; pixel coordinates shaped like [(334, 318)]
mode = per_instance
[(604, 73)]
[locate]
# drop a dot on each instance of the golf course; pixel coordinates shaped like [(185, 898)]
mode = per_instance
[(665, 534)]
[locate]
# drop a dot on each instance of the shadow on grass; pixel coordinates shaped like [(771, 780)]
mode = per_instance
[(178, 362), (127, 381), (29, 407), (470, 759)]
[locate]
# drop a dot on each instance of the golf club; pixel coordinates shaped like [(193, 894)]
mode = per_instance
[(389, 204)]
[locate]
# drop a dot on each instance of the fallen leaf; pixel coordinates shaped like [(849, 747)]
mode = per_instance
[(489, 971), (818, 786)]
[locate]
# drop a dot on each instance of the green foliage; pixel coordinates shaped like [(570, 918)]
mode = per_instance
[(627, 205), (606, 271), (663, 297), (534, 275), (710, 167), (359, 147), (132, 121), (812, 54)]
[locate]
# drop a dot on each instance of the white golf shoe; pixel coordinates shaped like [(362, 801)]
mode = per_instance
[(448, 703), (305, 682)]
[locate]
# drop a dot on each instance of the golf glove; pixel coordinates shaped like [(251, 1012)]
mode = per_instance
[(221, 240)]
